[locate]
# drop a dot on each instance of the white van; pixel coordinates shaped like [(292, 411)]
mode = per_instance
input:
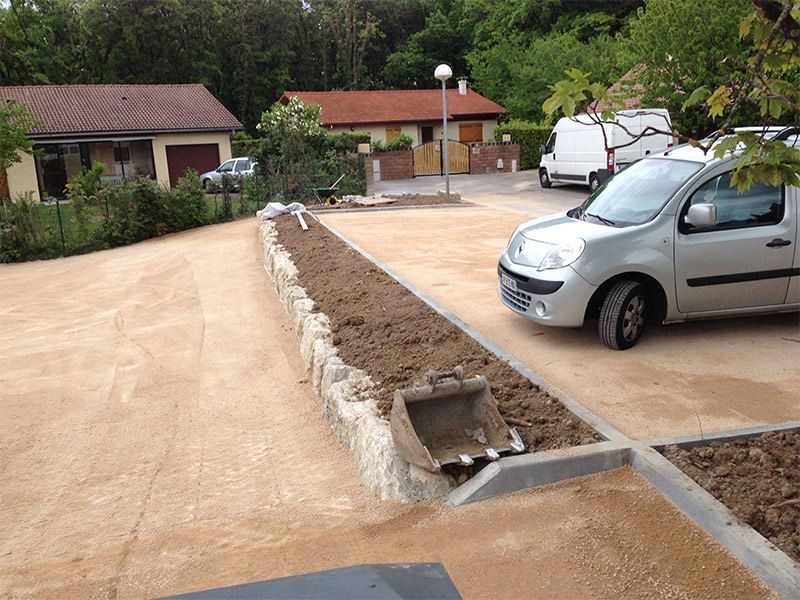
[(576, 150)]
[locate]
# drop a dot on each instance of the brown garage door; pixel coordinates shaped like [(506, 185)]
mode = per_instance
[(200, 157)]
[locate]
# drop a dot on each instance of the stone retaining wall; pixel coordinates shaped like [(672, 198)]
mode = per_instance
[(344, 391)]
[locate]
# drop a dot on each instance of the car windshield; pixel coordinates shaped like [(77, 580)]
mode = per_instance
[(637, 193)]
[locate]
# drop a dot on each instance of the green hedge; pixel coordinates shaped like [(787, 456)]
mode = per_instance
[(530, 136), (242, 146), (339, 142)]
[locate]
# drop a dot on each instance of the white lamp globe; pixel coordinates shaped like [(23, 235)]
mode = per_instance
[(443, 72)]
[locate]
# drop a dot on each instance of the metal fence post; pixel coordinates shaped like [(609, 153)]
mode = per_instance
[(60, 226)]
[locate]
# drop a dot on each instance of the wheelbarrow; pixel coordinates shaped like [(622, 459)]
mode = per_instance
[(446, 419), (327, 195)]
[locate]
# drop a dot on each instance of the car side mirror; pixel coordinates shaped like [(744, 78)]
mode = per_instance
[(702, 215), (542, 149)]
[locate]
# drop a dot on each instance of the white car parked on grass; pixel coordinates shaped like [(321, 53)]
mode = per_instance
[(666, 237), (234, 169)]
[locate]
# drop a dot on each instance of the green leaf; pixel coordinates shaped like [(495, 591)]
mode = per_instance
[(697, 96)]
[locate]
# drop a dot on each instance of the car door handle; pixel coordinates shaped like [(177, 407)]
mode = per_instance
[(778, 242)]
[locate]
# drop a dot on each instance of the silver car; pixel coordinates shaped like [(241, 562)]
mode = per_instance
[(666, 238), (234, 169)]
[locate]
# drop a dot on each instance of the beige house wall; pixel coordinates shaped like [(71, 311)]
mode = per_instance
[(414, 130), (222, 139), (22, 177)]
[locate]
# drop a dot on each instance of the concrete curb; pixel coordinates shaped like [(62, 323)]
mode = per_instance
[(772, 566), (344, 391), (381, 208)]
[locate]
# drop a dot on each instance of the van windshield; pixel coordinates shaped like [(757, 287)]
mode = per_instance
[(637, 193)]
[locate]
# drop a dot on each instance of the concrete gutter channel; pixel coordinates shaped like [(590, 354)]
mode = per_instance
[(354, 419)]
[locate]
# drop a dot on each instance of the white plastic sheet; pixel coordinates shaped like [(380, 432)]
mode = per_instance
[(273, 209)]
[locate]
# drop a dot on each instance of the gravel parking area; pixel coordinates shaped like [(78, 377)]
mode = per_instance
[(160, 436)]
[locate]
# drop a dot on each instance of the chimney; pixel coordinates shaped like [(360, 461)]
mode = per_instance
[(462, 86)]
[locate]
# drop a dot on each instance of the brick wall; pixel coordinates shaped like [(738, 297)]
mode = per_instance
[(483, 157), (395, 164)]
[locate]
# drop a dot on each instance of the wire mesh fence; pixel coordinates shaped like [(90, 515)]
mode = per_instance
[(139, 210)]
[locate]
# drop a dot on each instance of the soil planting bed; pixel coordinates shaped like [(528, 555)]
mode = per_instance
[(757, 479), (392, 201), (383, 329)]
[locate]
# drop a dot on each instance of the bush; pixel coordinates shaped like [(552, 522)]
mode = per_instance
[(530, 136), (245, 146), (187, 205), (23, 235), (401, 142), (137, 210), (85, 193)]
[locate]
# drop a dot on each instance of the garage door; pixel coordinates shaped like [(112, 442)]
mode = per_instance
[(200, 157)]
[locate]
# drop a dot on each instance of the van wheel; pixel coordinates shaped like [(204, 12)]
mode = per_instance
[(594, 182), (622, 316), (544, 179)]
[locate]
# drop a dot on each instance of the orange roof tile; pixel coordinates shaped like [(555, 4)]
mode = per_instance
[(396, 106), (81, 109)]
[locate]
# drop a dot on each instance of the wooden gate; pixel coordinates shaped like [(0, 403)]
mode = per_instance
[(429, 158)]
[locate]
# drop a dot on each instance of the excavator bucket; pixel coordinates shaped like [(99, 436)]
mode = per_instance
[(446, 419)]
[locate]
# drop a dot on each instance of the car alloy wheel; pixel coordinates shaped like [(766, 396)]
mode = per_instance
[(623, 314)]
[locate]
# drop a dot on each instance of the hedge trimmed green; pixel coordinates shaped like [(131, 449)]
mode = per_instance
[(339, 142), (530, 136), (242, 146)]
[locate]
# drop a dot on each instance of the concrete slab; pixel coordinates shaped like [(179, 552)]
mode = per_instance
[(680, 380)]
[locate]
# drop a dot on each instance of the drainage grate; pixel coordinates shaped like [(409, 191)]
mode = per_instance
[(517, 300)]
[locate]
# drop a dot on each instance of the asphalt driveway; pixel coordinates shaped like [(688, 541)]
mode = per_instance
[(679, 380)]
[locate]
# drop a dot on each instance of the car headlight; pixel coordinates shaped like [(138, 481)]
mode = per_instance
[(563, 255)]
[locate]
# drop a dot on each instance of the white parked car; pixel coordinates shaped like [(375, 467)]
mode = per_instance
[(234, 169), (666, 238), (576, 151)]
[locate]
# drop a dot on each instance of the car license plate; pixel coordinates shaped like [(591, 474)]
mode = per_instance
[(509, 282)]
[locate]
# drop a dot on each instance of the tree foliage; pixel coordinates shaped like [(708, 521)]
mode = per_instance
[(15, 122), (766, 83), (712, 63)]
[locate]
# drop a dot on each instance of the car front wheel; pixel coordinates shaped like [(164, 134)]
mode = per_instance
[(622, 316), (207, 185), (544, 179)]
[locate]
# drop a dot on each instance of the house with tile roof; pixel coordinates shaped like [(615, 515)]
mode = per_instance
[(155, 131), (385, 114)]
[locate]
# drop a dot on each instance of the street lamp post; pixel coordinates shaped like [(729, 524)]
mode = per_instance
[(443, 73)]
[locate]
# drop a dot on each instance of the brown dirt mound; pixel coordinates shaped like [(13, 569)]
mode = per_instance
[(400, 200), (758, 479), (382, 328)]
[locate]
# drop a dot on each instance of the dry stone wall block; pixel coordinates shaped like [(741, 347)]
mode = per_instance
[(323, 352), (315, 327)]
